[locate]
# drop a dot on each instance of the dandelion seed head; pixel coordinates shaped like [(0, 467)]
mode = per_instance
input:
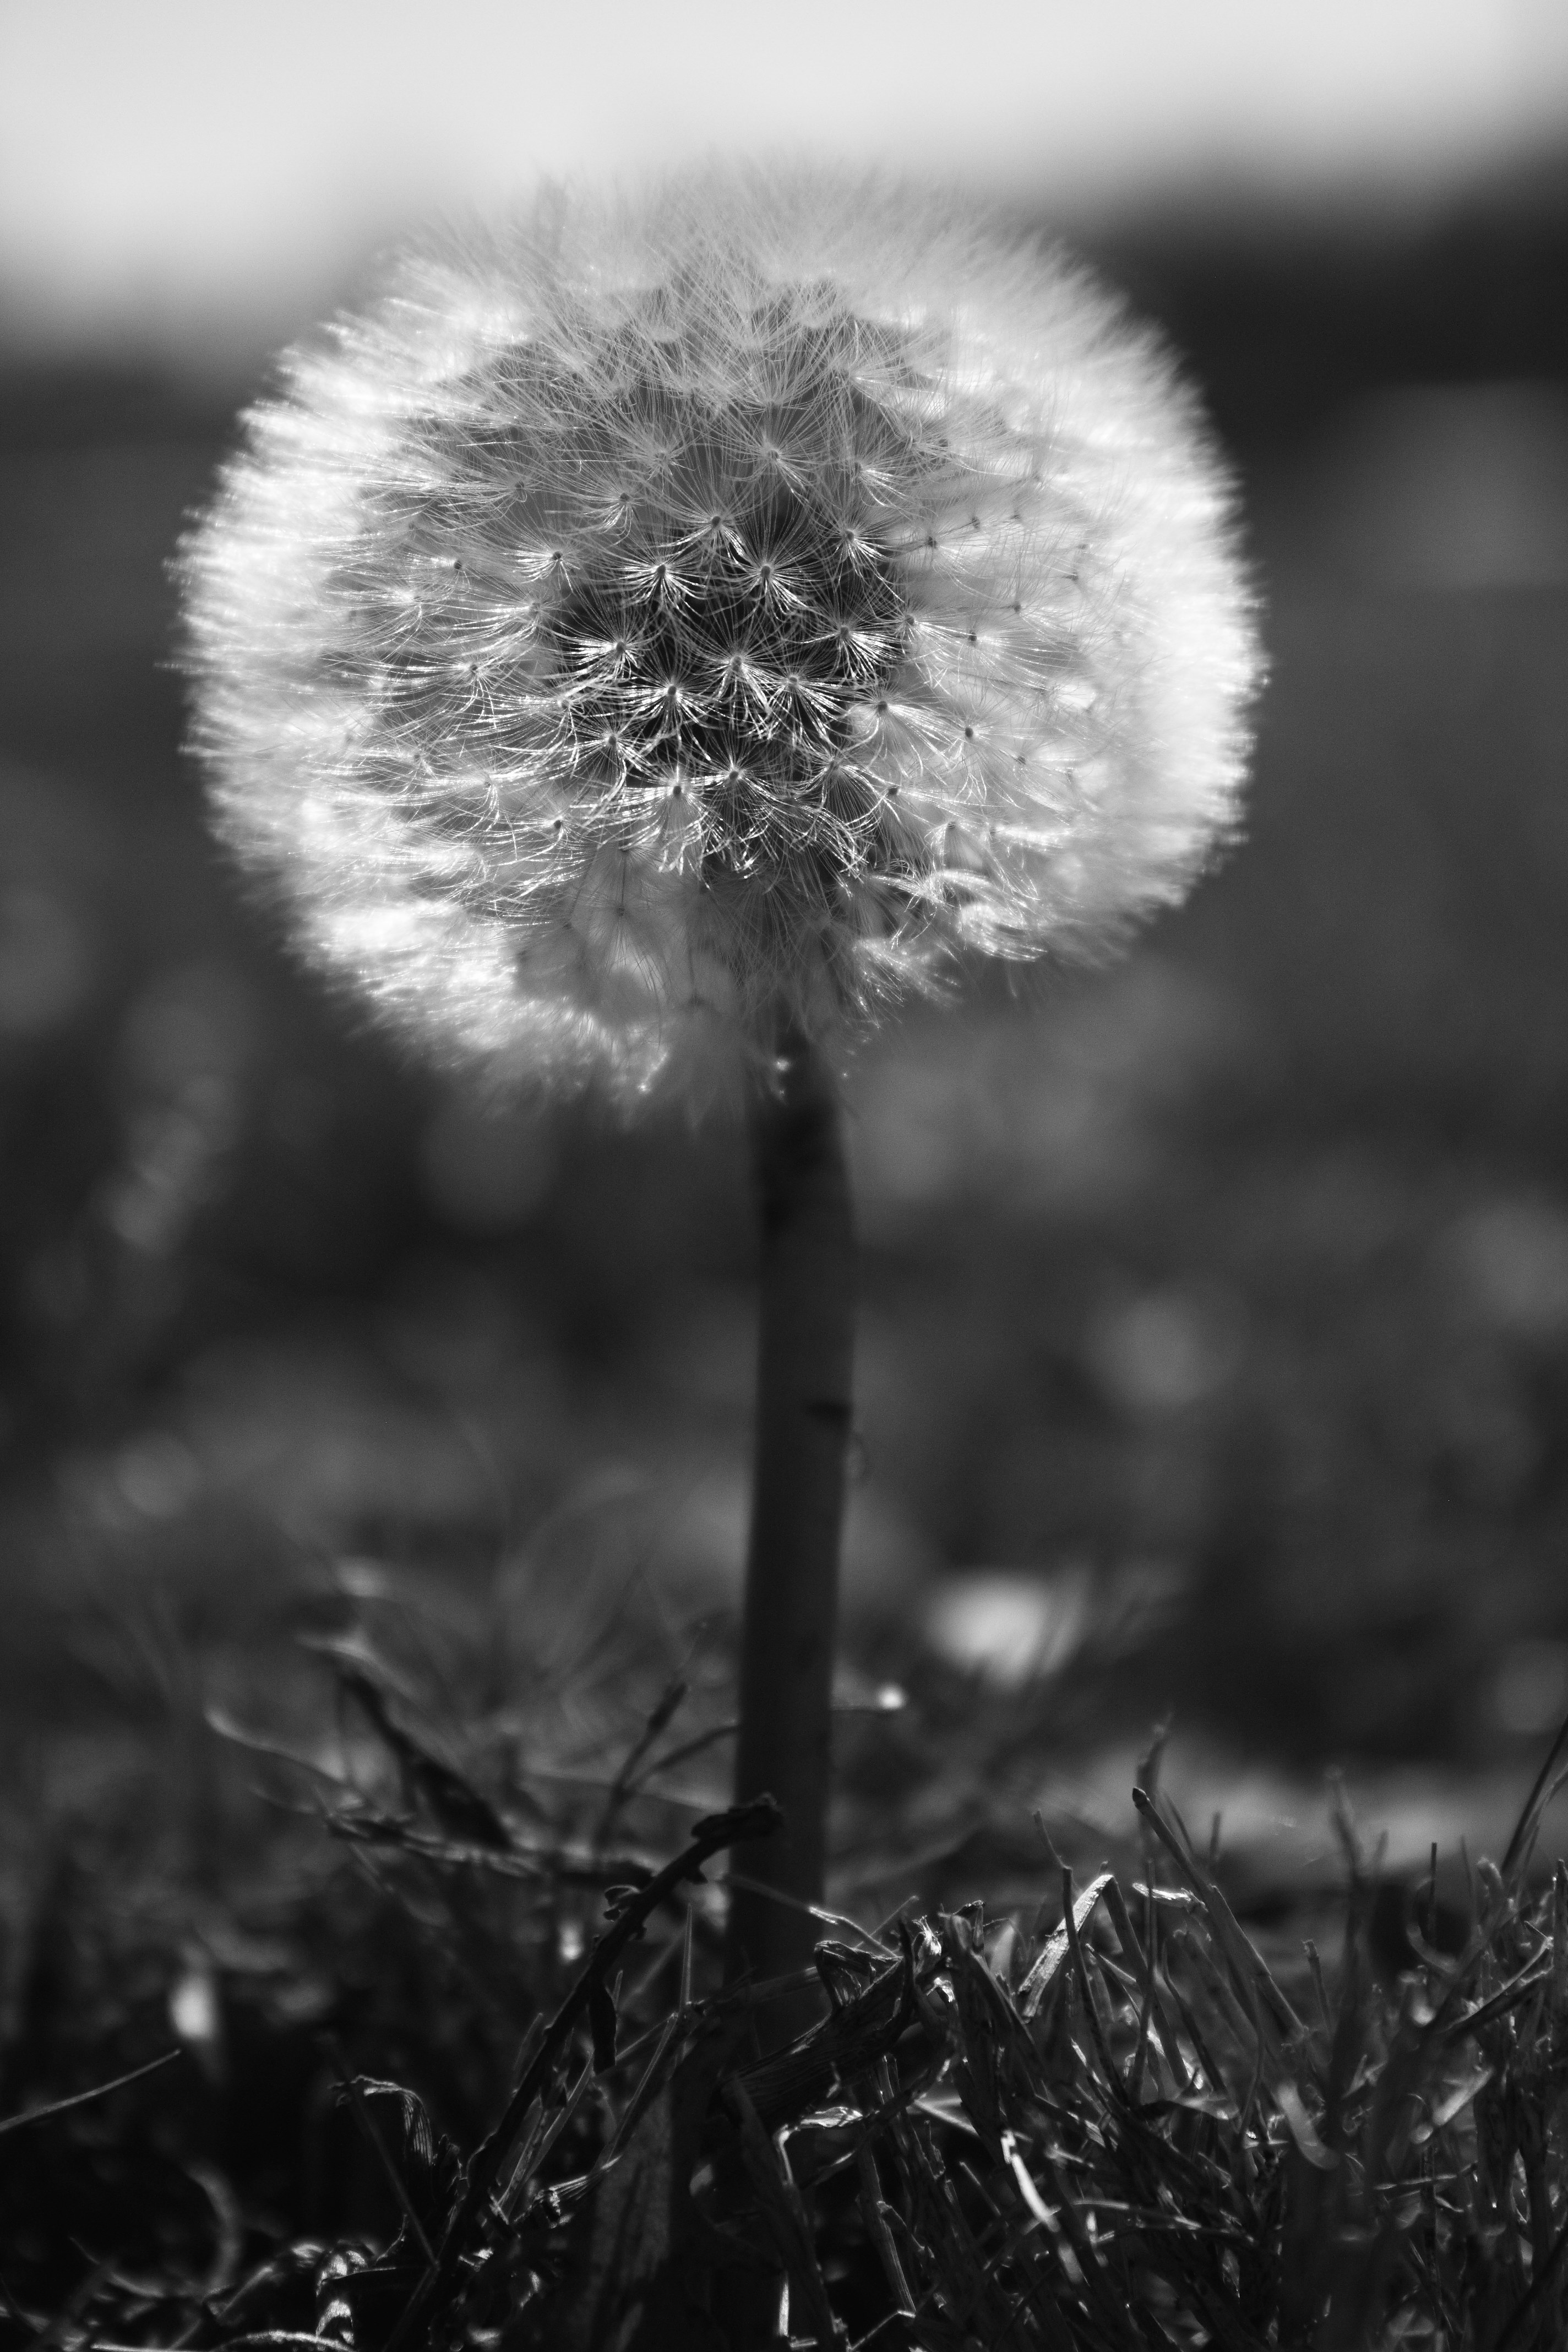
[(660, 624)]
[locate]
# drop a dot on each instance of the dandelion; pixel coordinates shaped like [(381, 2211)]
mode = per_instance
[(646, 645)]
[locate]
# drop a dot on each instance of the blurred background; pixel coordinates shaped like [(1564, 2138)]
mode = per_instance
[(1216, 1306)]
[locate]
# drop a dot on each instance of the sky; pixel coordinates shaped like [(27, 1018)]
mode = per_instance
[(181, 171)]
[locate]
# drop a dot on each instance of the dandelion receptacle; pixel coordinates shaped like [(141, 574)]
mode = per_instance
[(648, 642)]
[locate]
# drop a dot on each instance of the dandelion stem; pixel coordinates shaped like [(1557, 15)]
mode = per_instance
[(804, 1372)]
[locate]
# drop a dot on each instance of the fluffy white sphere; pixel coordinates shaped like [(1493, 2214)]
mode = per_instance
[(668, 624)]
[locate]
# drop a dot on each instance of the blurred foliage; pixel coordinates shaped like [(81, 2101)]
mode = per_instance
[(1235, 1278)]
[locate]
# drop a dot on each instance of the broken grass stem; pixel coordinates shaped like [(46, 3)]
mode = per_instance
[(802, 1420)]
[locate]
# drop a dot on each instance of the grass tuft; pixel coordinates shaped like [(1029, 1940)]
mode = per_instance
[(457, 2066)]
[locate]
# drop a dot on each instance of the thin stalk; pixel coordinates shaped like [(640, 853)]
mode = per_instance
[(805, 1363)]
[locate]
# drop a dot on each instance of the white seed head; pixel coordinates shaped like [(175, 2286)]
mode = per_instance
[(666, 623)]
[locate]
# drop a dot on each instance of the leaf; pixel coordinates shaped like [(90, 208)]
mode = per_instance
[(458, 1806), (1052, 1961), (601, 2022), (636, 2278)]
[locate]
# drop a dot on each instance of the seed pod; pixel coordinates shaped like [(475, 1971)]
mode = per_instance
[(665, 626)]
